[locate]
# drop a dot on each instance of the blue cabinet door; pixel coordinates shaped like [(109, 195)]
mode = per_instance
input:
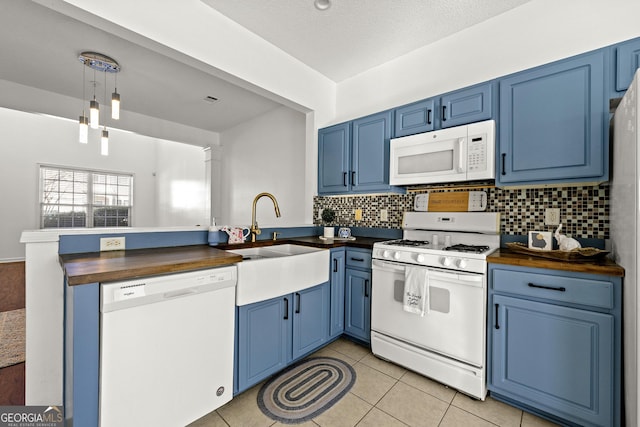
[(415, 118), (627, 61), (553, 123), (264, 340), (336, 278), (310, 319), (467, 105), (334, 161), (358, 304), (557, 359), (370, 153)]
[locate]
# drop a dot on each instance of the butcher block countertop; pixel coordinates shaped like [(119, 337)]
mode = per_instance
[(123, 265), (108, 266), (597, 266)]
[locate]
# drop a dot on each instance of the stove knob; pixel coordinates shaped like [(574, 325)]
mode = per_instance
[(396, 255), (461, 263), (420, 258), (386, 254), (446, 261)]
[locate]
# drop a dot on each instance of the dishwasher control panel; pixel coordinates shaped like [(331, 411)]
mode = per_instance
[(122, 294)]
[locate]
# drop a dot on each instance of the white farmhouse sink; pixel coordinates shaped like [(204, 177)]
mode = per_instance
[(270, 271)]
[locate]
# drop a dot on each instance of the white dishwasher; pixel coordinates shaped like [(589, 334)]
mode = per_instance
[(166, 347)]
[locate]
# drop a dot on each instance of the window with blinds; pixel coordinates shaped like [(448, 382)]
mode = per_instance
[(83, 198)]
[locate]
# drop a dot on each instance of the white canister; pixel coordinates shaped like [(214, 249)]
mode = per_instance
[(329, 232)]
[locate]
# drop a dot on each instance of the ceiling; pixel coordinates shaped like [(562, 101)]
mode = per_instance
[(353, 36), (39, 48)]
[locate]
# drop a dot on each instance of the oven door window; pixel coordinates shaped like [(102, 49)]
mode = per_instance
[(455, 323)]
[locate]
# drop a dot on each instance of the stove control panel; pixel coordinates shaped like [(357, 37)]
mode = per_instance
[(432, 259)]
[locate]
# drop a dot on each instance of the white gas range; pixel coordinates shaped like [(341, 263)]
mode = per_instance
[(441, 263)]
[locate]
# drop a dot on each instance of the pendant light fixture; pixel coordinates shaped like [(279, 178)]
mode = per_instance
[(83, 135), (115, 100), (104, 139), (83, 121), (102, 63), (94, 107), (104, 142)]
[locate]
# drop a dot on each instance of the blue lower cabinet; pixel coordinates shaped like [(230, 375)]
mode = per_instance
[(553, 349), (310, 319), (559, 357), (358, 304), (264, 340), (273, 333), (336, 279)]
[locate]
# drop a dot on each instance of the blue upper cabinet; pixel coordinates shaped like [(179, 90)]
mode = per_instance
[(370, 153), (627, 61), (334, 147), (353, 157), (467, 105), (415, 118), (553, 123)]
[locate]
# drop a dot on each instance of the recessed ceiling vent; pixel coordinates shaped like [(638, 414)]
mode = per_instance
[(210, 99)]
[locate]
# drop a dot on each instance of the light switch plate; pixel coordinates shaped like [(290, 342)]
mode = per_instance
[(552, 216)]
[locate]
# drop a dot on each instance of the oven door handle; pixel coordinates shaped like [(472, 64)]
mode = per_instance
[(386, 266), (475, 280)]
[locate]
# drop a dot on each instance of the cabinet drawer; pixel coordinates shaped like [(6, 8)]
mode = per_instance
[(596, 293), (358, 259)]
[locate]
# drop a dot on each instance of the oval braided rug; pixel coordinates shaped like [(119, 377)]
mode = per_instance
[(306, 389)]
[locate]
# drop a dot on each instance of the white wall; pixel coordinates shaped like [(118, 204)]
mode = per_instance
[(264, 155), (182, 191), (27, 140), (536, 33)]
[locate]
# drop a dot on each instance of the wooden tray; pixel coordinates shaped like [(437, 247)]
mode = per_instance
[(579, 254)]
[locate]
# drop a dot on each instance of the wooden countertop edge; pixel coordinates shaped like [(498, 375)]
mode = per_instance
[(94, 267), (507, 257)]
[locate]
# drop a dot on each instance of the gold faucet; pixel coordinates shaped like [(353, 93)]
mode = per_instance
[(254, 224)]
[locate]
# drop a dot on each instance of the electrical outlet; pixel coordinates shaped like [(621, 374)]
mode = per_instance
[(384, 216), (358, 214), (112, 243), (320, 213), (552, 216)]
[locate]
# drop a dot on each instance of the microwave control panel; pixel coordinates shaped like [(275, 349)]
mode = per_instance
[(477, 154)]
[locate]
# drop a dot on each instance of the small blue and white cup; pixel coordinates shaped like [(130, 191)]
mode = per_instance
[(344, 233)]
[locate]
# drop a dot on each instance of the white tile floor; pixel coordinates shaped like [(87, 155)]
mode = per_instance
[(384, 395)]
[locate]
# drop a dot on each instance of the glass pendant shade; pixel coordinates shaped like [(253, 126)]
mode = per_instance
[(115, 105), (94, 114), (83, 135), (104, 143)]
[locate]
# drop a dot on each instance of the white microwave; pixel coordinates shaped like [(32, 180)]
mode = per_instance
[(462, 153)]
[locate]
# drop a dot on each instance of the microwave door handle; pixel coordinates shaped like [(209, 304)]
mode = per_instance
[(461, 165)]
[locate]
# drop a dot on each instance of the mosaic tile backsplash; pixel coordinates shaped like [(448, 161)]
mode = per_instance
[(584, 211)]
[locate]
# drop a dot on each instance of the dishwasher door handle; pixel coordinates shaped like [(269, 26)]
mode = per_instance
[(179, 293)]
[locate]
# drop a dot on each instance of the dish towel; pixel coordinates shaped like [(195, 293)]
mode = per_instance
[(416, 290)]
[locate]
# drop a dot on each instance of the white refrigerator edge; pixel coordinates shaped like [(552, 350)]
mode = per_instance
[(624, 215)]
